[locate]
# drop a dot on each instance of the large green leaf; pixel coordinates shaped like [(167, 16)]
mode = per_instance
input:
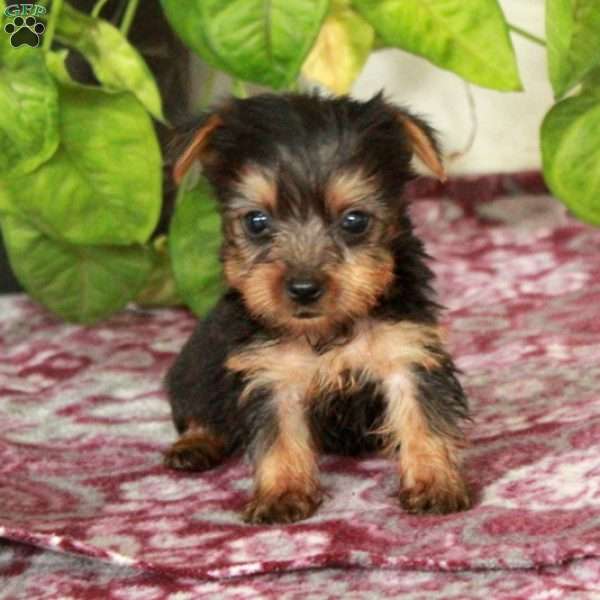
[(5, 201), (194, 240), (571, 154), (28, 109), (256, 40), (341, 50), (103, 184), (79, 283), (573, 41), (469, 38), (116, 63), (591, 82)]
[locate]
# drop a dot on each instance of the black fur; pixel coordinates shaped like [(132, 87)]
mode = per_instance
[(200, 387), (308, 138)]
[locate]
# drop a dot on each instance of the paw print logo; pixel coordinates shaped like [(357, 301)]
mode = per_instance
[(25, 32)]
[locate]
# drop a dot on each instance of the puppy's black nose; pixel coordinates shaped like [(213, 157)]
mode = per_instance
[(304, 291)]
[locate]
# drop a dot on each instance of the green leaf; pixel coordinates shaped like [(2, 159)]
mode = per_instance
[(341, 50), (78, 283), (56, 61), (254, 40), (573, 41), (28, 109), (571, 154), (591, 82), (160, 289), (116, 63), (103, 184), (5, 200), (469, 38), (194, 241)]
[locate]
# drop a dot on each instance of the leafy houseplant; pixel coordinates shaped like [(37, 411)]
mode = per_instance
[(81, 169)]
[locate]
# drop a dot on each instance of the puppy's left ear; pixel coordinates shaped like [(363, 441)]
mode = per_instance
[(197, 148), (423, 142)]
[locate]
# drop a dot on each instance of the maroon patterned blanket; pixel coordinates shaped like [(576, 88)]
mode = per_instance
[(83, 421)]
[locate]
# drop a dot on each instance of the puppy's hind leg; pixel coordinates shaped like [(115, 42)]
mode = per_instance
[(197, 449)]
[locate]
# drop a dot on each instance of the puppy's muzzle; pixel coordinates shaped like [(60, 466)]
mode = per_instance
[(305, 290)]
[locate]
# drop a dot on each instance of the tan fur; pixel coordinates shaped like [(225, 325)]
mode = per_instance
[(348, 188), (429, 462), (262, 285), (262, 291), (423, 147), (360, 281), (380, 351), (290, 461), (197, 148), (233, 267), (353, 288), (256, 189), (286, 486), (376, 350), (196, 449)]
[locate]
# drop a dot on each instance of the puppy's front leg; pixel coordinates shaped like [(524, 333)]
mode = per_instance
[(423, 406), (286, 487)]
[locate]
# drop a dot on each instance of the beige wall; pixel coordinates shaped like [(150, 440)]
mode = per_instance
[(507, 129)]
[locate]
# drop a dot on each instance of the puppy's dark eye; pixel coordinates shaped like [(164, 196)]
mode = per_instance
[(257, 223), (355, 222)]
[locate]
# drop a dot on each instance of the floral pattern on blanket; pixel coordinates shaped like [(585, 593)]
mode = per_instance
[(83, 421), (28, 573)]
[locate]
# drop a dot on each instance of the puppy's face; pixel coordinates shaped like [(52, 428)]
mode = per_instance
[(310, 194), (306, 260)]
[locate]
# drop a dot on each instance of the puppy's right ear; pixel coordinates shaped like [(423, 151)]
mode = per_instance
[(197, 148), (423, 142)]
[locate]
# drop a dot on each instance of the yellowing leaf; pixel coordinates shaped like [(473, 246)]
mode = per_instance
[(29, 132), (340, 51)]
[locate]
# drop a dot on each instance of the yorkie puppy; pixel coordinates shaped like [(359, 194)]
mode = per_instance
[(326, 339)]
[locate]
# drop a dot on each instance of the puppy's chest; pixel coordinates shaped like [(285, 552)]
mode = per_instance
[(292, 369)]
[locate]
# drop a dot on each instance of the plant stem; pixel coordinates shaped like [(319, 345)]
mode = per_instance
[(474, 124), (239, 89), (529, 36), (98, 8), (128, 16), (55, 10)]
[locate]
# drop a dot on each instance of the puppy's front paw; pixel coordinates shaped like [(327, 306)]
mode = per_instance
[(438, 495), (287, 507)]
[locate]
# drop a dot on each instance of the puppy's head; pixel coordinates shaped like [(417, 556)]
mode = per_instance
[(310, 194)]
